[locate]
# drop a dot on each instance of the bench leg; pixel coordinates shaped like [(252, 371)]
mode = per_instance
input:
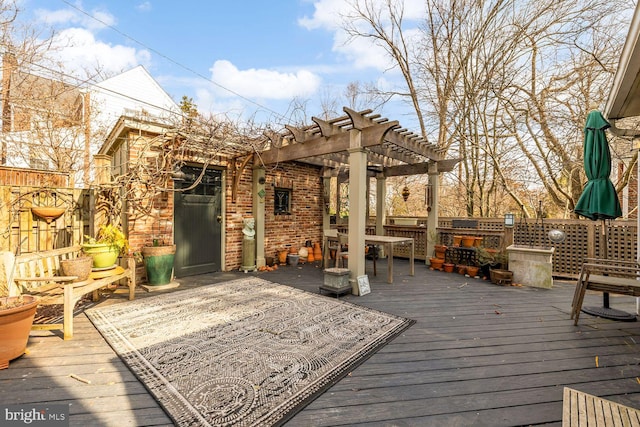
[(581, 289), (68, 312)]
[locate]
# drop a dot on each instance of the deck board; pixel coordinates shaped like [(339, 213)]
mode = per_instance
[(478, 354)]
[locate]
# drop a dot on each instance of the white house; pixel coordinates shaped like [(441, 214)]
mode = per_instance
[(53, 125)]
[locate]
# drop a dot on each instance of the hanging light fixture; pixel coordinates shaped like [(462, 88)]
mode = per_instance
[(405, 193)]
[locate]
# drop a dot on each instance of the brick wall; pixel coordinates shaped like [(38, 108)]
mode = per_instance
[(281, 231), (305, 221)]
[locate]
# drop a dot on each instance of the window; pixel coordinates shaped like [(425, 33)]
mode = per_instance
[(282, 201)]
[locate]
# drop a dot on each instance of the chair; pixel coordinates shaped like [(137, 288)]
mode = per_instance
[(342, 255), (607, 276)]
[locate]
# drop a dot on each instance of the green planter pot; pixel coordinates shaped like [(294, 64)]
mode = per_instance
[(158, 263), (103, 254)]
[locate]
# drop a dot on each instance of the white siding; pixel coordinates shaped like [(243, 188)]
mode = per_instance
[(132, 93)]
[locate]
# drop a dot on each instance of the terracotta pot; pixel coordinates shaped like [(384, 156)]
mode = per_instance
[(310, 257), (461, 269), (457, 240), (15, 325), (478, 242), (282, 256), (472, 270), (448, 267), (293, 250), (317, 252), (436, 263), (468, 241), (440, 251)]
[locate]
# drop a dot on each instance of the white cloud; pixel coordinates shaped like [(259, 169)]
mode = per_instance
[(145, 6), (78, 48), (326, 15), (97, 20), (262, 83), (362, 53)]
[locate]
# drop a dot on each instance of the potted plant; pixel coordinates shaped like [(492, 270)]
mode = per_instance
[(486, 260), (106, 246), (159, 257), (439, 250), (16, 318)]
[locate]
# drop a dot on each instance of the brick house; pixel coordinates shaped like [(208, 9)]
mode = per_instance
[(206, 222)]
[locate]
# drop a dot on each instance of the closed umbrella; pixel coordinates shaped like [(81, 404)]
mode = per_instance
[(599, 200)]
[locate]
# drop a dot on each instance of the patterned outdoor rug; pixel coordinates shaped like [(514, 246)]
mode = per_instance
[(246, 352)]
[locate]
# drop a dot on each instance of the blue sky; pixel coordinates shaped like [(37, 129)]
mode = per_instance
[(266, 53)]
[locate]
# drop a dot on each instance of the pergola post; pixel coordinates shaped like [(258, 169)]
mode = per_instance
[(339, 181), (326, 197), (258, 213), (381, 211), (357, 207), (432, 217)]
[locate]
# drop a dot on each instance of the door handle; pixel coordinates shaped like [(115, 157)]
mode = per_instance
[(219, 219)]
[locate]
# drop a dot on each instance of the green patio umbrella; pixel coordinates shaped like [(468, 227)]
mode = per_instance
[(599, 200)]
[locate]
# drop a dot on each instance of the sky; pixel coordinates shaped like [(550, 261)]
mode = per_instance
[(242, 57)]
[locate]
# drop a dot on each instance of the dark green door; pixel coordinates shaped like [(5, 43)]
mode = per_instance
[(197, 222)]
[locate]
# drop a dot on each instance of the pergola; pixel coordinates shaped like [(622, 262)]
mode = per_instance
[(362, 145)]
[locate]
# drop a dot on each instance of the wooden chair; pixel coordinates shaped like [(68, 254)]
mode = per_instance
[(342, 255), (605, 275)]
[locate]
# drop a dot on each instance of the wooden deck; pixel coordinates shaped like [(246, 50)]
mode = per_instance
[(479, 355)]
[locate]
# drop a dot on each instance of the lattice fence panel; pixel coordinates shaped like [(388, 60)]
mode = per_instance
[(419, 235), (622, 241), (584, 239), (570, 254)]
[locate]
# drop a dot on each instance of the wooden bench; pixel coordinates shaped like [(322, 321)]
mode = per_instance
[(39, 274), (605, 275), (582, 410)]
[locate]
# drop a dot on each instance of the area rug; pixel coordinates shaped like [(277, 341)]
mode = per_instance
[(247, 352)]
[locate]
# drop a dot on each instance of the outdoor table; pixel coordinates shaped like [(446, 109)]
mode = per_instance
[(375, 239)]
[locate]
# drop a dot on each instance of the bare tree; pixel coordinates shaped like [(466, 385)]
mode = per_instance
[(46, 113), (506, 86)]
